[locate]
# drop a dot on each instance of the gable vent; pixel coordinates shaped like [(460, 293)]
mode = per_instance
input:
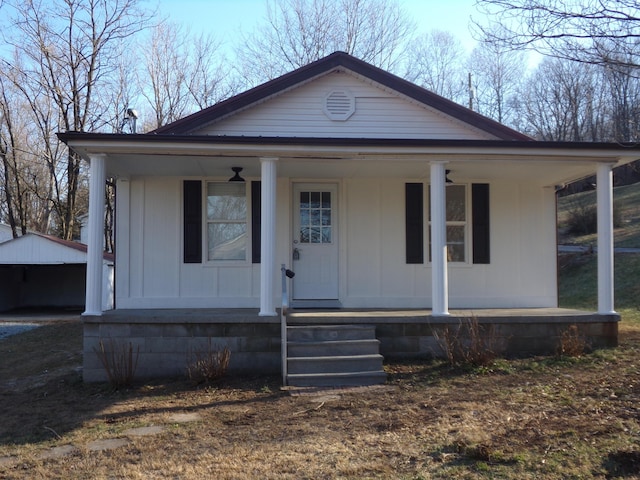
[(339, 105)]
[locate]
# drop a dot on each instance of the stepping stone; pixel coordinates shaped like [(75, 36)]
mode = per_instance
[(57, 452), (107, 444), (184, 417), (144, 431), (6, 461), (325, 398)]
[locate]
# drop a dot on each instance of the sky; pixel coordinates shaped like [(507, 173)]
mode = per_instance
[(227, 18)]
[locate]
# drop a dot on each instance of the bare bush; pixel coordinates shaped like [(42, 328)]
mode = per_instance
[(582, 217), (572, 343), (206, 366), (119, 362), (469, 343)]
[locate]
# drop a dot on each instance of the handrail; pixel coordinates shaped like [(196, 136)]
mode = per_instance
[(284, 311)]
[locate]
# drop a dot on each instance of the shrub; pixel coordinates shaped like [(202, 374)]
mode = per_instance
[(469, 343), (119, 362), (208, 365), (572, 343), (582, 217)]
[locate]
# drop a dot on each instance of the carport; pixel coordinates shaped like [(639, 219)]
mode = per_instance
[(42, 271)]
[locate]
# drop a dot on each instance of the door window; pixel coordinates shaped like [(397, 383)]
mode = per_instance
[(315, 217)]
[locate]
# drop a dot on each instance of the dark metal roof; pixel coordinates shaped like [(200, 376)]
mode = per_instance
[(340, 142), (339, 60)]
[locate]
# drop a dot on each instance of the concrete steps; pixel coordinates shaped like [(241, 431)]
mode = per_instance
[(333, 355)]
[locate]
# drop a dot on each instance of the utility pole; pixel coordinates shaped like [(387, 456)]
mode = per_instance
[(471, 93)]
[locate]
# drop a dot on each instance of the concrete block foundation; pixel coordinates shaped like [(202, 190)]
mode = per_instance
[(166, 341)]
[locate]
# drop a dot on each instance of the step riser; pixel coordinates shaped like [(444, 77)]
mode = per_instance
[(326, 349), (336, 381), (333, 355), (366, 363), (328, 334)]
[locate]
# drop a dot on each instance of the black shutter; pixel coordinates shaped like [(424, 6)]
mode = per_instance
[(414, 218), (192, 221), (480, 222), (256, 220)]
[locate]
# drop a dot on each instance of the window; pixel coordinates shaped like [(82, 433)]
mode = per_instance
[(227, 222), (467, 217), (456, 218), (456, 222)]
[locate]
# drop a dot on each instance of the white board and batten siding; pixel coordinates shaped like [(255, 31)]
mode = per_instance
[(379, 113), (373, 270), (153, 274), (376, 275)]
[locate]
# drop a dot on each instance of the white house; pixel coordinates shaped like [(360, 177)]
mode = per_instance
[(378, 194)]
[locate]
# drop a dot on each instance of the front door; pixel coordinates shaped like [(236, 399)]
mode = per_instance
[(315, 241)]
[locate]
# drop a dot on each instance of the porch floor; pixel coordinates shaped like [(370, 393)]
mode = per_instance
[(513, 315), (347, 315)]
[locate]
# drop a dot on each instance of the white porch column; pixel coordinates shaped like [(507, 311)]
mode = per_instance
[(439, 280), (604, 187), (268, 236), (95, 238)]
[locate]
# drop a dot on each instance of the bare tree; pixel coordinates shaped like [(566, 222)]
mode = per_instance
[(623, 89), (561, 101), (165, 68), (496, 76), (298, 32), (436, 61), (182, 73), (210, 80), (586, 31), (26, 183), (65, 51), (11, 186)]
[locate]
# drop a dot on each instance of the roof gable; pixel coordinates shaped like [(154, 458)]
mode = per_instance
[(341, 104), (38, 248), (449, 112)]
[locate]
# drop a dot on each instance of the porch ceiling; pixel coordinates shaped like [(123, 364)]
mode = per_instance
[(541, 171), (545, 163)]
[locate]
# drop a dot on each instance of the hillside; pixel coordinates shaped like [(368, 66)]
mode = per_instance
[(626, 204), (578, 271)]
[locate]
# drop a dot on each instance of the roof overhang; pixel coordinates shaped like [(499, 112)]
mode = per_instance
[(545, 163)]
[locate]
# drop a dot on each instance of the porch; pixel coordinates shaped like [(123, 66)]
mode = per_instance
[(166, 338)]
